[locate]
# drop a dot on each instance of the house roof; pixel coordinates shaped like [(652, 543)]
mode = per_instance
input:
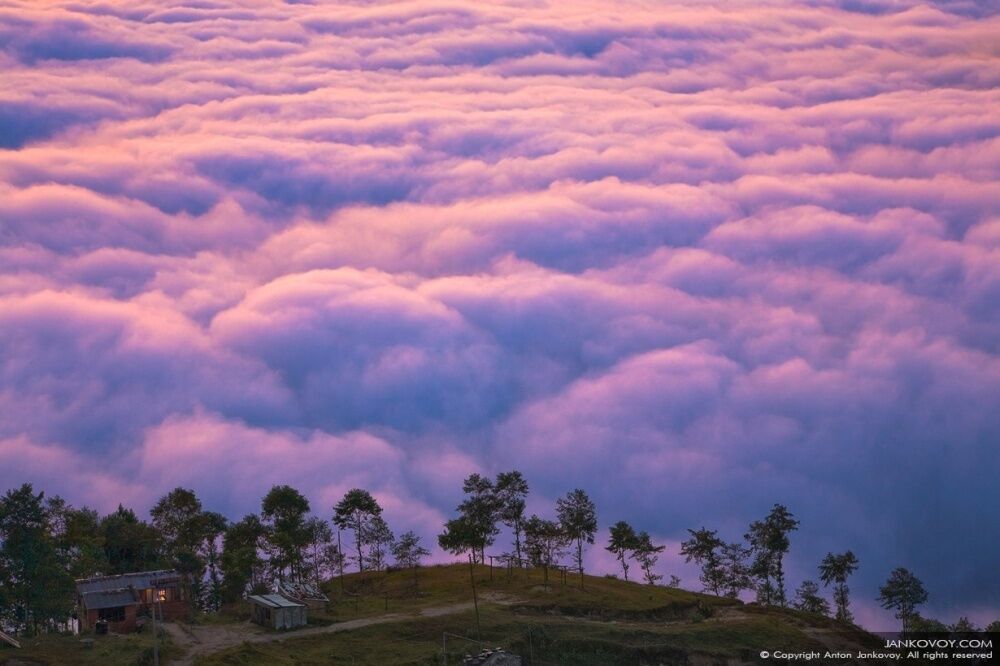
[(305, 591), (274, 601), (110, 598), (140, 580)]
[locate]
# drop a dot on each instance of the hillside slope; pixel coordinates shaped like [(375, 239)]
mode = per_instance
[(609, 621)]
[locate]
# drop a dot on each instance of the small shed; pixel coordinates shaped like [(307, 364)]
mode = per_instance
[(277, 612)]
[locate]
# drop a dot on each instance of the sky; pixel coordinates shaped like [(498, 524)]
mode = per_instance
[(694, 258)]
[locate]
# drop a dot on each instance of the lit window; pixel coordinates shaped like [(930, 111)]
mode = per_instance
[(161, 595)]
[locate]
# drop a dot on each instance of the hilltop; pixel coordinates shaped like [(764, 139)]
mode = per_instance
[(609, 621)]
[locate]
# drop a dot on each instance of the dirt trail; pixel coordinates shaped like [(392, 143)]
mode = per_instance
[(200, 641)]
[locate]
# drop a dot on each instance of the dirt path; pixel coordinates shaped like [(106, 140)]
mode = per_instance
[(200, 641)]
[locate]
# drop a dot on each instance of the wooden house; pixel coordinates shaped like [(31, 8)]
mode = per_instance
[(121, 600)]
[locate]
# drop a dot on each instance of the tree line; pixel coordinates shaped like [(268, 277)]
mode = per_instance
[(45, 543)]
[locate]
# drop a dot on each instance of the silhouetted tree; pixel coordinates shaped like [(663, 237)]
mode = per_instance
[(578, 519), (283, 512), (902, 592), (703, 548), (409, 554), (481, 510), (77, 538), (320, 539), (354, 512), (807, 599), (511, 491), (377, 536), (129, 544), (964, 626), (836, 569), (769, 542), (35, 582), (622, 542), (214, 525), (734, 573), (242, 565), (544, 542), (647, 554)]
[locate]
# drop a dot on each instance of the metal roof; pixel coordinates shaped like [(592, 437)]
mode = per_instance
[(110, 599), (274, 601), (306, 591), (140, 580)]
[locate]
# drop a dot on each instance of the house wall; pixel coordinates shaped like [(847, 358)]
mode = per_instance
[(90, 618)]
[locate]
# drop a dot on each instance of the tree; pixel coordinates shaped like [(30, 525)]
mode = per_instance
[(511, 491), (647, 554), (769, 542), (902, 592), (184, 530), (320, 540), (836, 569), (544, 542), (129, 544), (622, 542), (459, 537), (703, 548), (77, 539), (283, 513), (242, 566), (35, 580), (964, 626), (409, 553), (377, 536), (481, 510), (807, 599), (993, 627), (354, 512), (734, 574), (214, 528), (922, 625), (578, 519)]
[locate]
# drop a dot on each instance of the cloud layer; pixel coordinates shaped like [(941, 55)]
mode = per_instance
[(693, 259)]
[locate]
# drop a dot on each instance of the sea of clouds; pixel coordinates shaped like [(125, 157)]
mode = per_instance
[(695, 258)]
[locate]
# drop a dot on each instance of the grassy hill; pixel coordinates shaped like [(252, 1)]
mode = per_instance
[(609, 621)]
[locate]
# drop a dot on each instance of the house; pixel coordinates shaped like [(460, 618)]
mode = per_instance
[(121, 600), (276, 612), (304, 593)]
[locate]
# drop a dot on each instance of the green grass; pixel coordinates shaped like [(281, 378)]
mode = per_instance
[(111, 650), (608, 622)]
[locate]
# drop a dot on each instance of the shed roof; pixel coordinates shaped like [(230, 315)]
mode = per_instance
[(300, 590), (274, 601), (140, 580), (110, 599)]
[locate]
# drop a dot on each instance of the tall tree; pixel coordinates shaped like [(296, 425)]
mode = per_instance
[(768, 539), (283, 512), (836, 569), (36, 582), (545, 542), (807, 599), (481, 511), (77, 538), (379, 539), (646, 554), (409, 554), (130, 544), (578, 519), (703, 548), (242, 565), (902, 592), (183, 527), (320, 543), (622, 542), (511, 493), (214, 528), (733, 571), (354, 512)]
